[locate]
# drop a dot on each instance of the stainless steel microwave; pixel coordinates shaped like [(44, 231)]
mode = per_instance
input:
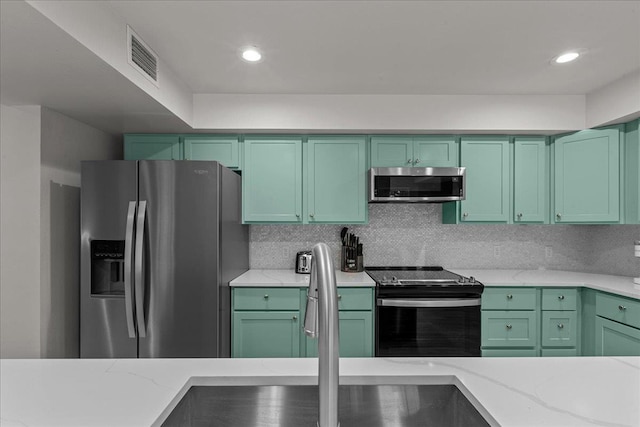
[(416, 185)]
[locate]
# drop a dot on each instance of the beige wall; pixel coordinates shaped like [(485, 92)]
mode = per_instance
[(19, 232), (41, 151), (65, 142)]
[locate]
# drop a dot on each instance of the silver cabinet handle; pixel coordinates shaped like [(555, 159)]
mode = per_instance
[(519, 216), (266, 296), (311, 215), (128, 254), (509, 296), (295, 318), (416, 161), (409, 161), (429, 302), (560, 326), (139, 282), (622, 307), (509, 327), (464, 215), (339, 296), (558, 215), (297, 215), (560, 297)]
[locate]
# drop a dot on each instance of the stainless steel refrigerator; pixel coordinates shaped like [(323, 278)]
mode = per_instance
[(160, 241)]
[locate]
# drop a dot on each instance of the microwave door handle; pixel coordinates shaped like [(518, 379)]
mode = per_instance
[(139, 266), (441, 303), (128, 285)]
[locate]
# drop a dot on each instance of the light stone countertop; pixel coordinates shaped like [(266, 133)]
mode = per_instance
[(289, 278), (513, 392), (620, 285)]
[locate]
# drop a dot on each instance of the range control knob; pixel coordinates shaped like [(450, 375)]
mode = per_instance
[(472, 279)]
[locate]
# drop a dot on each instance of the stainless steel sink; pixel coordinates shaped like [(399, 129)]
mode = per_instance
[(297, 406)]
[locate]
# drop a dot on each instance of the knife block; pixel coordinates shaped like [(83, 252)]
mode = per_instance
[(351, 264)]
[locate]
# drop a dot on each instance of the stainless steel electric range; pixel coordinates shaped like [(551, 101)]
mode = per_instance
[(426, 312)]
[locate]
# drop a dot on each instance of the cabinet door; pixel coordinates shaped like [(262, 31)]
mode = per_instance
[(391, 151), (530, 180), (266, 334), (356, 335), (435, 151), (152, 147), (616, 339), (223, 149), (487, 163), (587, 175), (272, 180), (509, 329), (559, 329), (336, 180)]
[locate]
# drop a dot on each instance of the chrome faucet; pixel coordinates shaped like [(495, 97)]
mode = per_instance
[(321, 320)]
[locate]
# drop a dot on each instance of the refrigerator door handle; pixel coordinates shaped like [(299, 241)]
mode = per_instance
[(128, 286), (139, 282)]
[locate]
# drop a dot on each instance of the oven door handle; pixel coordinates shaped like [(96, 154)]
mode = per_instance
[(429, 302)]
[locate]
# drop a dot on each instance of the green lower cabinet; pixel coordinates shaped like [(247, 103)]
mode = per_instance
[(356, 335), (505, 352), (559, 329), (616, 339), (266, 334), (509, 329)]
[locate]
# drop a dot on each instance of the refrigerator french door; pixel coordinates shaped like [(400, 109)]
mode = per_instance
[(160, 242)]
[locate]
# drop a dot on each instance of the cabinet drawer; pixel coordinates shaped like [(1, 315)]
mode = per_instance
[(509, 299), (559, 299), (509, 329), (355, 298), (266, 299), (559, 329), (623, 310)]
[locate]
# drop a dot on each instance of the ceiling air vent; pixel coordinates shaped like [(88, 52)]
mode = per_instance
[(141, 57)]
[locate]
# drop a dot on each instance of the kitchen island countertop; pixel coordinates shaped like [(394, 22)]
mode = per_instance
[(587, 391)]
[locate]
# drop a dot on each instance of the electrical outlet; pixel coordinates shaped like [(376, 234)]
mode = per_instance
[(496, 251), (548, 252)]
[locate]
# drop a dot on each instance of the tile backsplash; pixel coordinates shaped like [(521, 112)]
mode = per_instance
[(413, 234)]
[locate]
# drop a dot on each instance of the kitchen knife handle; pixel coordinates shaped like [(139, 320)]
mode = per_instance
[(128, 252), (139, 264)]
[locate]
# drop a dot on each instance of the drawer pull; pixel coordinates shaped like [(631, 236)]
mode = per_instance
[(266, 296), (560, 326), (509, 326), (622, 307), (560, 297), (295, 318), (509, 296), (339, 296)]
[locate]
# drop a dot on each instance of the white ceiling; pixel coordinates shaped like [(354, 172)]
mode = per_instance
[(391, 47), (318, 47)]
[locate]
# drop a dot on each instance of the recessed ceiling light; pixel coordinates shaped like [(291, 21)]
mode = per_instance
[(251, 54), (567, 57)]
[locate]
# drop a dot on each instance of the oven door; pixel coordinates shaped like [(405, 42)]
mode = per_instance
[(428, 327)]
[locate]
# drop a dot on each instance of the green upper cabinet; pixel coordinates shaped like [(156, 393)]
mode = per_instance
[(336, 180), (488, 176), (272, 180), (632, 172), (421, 151), (152, 147), (587, 177), (224, 149), (530, 180)]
